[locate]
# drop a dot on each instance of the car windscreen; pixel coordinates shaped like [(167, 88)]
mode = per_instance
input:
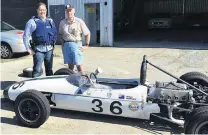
[(6, 27), (78, 80)]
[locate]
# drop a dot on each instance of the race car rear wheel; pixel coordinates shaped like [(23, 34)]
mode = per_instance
[(198, 77), (197, 121), (32, 108), (64, 71), (198, 80)]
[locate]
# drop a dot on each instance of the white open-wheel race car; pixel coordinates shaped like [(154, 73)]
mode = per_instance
[(183, 102)]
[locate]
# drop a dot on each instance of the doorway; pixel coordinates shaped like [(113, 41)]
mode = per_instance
[(92, 20)]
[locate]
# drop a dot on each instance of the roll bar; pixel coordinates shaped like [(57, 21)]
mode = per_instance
[(143, 74)]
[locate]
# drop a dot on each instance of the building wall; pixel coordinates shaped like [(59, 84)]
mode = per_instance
[(106, 14), (18, 12)]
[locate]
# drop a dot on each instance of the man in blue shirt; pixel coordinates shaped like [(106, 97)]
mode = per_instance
[(41, 30)]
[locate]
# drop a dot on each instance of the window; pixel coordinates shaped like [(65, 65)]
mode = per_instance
[(6, 27)]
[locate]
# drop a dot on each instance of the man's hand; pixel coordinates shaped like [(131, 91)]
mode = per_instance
[(84, 48), (30, 51)]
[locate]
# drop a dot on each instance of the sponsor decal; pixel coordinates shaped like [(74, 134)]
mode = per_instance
[(121, 96), (79, 91), (109, 95), (133, 106), (129, 97)]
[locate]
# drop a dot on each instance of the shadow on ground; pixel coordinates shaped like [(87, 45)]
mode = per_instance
[(15, 57), (5, 84), (148, 126)]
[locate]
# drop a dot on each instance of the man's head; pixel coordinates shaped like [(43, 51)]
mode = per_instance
[(70, 11), (41, 10)]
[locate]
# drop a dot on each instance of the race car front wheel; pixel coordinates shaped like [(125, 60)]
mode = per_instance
[(197, 121), (32, 108)]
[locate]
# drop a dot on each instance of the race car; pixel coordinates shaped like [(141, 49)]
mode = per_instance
[(183, 102)]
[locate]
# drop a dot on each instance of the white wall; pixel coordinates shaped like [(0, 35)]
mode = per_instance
[(106, 16)]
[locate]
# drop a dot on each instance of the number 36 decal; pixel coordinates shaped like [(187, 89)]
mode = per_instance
[(113, 108)]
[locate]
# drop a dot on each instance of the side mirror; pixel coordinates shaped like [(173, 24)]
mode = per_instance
[(98, 70)]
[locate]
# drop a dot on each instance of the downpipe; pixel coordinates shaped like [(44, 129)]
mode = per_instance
[(170, 115)]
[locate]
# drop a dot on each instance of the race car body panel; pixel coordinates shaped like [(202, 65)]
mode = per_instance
[(116, 107), (62, 85), (119, 97), (57, 84)]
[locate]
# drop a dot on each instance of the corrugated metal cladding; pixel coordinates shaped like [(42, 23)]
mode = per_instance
[(196, 6), (56, 2), (106, 16), (163, 6), (176, 6)]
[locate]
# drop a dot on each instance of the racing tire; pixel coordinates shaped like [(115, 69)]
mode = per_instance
[(64, 71), (27, 72), (6, 51), (197, 121), (32, 108), (192, 77)]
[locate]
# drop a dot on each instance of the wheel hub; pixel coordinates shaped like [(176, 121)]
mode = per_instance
[(4, 51), (29, 110)]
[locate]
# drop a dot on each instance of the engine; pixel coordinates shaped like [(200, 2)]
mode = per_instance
[(170, 92)]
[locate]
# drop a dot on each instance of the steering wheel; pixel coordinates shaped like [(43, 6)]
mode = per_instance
[(84, 80), (93, 80)]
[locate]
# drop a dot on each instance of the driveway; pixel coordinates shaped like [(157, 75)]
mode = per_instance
[(115, 62)]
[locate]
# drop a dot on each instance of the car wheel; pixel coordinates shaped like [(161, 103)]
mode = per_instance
[(198, 80), (195, 77), (197, 121), (6, 51), (64, 71), (27, 72), (32, 108)]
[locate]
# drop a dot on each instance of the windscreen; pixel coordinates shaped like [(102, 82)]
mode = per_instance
[(6, 27), (78, 80)]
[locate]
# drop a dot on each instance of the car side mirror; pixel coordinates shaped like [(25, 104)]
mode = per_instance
[(98, 70)]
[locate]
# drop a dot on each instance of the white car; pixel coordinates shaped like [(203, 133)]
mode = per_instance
[(11, 40), (160, 23), (179, 102)]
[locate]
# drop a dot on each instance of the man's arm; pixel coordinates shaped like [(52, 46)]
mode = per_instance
[(29, 28), (86, 32), (87, 39), (55, 32), (61, 32)]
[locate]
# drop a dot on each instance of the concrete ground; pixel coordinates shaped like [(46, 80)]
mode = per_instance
[(116, 62)]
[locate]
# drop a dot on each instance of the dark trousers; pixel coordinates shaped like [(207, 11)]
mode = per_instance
[(38, 59)]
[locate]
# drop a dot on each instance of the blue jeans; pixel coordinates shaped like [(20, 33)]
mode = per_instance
[(38, 59)]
